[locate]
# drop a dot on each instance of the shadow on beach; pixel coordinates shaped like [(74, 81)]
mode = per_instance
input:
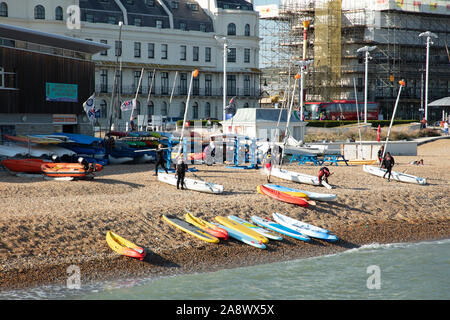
[(155, 259), (115, 181)]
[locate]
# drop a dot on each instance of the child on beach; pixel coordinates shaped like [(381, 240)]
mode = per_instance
[(268, 166), (324, 173), (388, 163), (181, 169)]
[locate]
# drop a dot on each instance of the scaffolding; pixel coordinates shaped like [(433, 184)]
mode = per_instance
[(337, 29)]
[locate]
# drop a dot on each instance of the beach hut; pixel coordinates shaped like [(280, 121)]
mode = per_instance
[(263, 123)]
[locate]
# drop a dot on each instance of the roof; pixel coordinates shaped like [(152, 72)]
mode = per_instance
[(263, 114), (50, 39), (235, 4), (444, 102)]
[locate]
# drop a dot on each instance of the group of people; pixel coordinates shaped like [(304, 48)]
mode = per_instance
[(82, 161), (180, 166)]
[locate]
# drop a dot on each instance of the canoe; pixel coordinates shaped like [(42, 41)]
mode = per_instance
[(280, 228), (280, 196), (123, 246), (206, 226), (12, 151), (311, 195), (361, 161), (52, 169), (191, 184), (263, 232), (397, 176), (32, 139), (298, 177), (305, 228), (241, 237), (24, 165), (190, 229), (242, 229)]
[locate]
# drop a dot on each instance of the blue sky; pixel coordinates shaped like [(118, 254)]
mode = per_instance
[(263, 2)]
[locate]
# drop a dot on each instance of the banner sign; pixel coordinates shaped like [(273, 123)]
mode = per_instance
[(61, 92)]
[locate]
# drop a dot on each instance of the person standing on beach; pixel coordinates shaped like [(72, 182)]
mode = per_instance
[(180, 169), (380, 154), (268, 166), (324, 173), (160, 159), (388, 163), (446, 128)]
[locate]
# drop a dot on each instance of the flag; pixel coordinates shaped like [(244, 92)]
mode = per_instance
[(230, 109), (128, 105), (89, 108)]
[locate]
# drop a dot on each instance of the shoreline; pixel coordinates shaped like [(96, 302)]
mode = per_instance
[(46, 226), (233, 254)]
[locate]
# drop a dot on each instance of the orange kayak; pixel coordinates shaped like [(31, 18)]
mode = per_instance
[(24, 165), (281, 196), (68, 169)]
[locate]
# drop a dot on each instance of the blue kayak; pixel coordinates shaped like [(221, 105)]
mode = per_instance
[(280, 229)]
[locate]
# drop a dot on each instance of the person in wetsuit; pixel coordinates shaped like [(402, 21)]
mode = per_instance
[(388, 163), (181, 169), (324, 173), (160, 159), (84, 163)]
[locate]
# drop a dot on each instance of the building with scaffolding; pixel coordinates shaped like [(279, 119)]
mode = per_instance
[(393, 26)]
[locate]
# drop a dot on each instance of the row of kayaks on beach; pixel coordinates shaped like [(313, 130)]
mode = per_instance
[(256, 233)]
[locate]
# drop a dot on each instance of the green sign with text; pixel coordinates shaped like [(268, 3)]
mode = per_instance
[(61, 92)]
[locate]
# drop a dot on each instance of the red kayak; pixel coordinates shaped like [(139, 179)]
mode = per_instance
[(24, 165), (281, 196), (218, 232), (68, 169)]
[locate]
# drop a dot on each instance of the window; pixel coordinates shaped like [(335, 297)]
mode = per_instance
[(231, 29), (231, 55), (111, 20), (182, 52), (103, 109), (183, 26), (208, 85), (164, 51), (182, 108), (247, 55), (195, 110), (103, 80), (246, 85), (39, 12), (164, 109), (150, 3), (174, 4), (159, 24), (58, 13), (164, 83), (138, 22), (150, 108), (193, 6), (130, 2), (137, 76), (195, 51), (3, 9), (247, 30), (202, 27), (137, 49), (231, 85), (89, 17), (183, 83), (207, 54), (207, 110), (151, 50), (151, 81), (196, 86), (118, 48), (7, 79), (104, 52)]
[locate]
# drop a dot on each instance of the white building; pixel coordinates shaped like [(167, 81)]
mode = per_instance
[(170, 38)]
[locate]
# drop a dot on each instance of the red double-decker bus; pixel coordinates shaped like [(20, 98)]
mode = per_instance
[(340, 110)]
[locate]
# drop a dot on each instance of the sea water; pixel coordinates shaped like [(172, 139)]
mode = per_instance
[(377, 271)]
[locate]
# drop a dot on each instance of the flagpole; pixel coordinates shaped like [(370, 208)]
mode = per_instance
[(289, 119), (136, 95)]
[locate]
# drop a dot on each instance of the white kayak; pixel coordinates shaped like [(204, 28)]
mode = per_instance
[(311, 195), (398, 176), (262, 231), (298, 177), (191, 184), (304, 228)]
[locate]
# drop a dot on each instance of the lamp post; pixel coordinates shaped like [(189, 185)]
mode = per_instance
[(427, 34), (302, 65), (224, 41), (366, 49), (115, 77)]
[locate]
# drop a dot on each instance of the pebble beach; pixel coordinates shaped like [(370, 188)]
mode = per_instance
[(47, 226)]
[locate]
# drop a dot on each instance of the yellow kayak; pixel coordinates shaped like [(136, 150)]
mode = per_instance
[(239, 227), (189, 228), (206, 226), (361, 162), (297, 194), (123, 246)]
